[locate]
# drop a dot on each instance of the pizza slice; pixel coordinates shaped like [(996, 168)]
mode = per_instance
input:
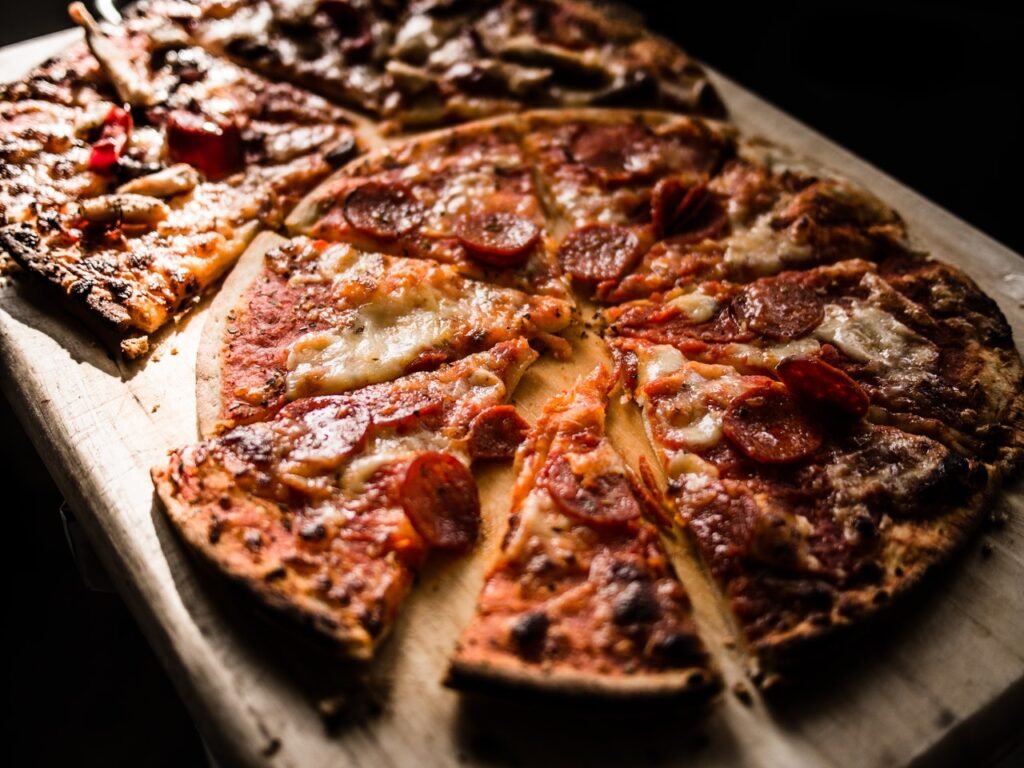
[(463, 196), (808, 516), (913, 341), (149, 172), (582, 598), (328, 510), (305, 317), (433, 63)]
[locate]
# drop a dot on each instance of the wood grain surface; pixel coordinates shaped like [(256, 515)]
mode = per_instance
[(937, 682)]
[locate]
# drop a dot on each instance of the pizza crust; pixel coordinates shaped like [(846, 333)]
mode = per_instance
[(503, 674)]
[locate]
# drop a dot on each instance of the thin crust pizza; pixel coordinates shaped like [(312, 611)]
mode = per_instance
[(806, 523), (582, 597), (306, 317), (429, 63), (829, 406), (140, 174), (328, 509)]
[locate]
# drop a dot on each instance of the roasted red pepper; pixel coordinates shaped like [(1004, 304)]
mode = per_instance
[(117, 127), (212, 146)]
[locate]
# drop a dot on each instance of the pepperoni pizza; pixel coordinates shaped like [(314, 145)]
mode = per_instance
[(829, 407)]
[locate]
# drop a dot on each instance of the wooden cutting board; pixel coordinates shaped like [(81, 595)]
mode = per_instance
[(939, 682)]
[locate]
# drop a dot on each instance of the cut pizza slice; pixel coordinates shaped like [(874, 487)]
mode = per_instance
[(433, 63), (807, 521), (150, 170), (463, 196), (328, 510), (305, 317), (909, 341), (582, 598)]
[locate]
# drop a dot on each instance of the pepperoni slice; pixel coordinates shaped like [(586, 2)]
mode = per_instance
[(496, 433), (117, 126), (778, 309), (615, 153), (766, 424), (441, 500), (687, 212), (816, 380), (398, 408), (602, 500), (671, 199), (598, 252), (499, 239), (212, 146), (329, 436), (383, 210)]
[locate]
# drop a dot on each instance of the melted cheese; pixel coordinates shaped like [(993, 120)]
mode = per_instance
[(540, 530), (386, 449), (762, 250), (660, 361), (693, 416), (378, 340), (870, 335), (766, 358), (698, 307)]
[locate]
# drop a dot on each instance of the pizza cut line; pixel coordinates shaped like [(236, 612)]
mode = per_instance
[(829, 407)]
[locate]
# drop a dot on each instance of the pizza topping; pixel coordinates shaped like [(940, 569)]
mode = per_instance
[(496, 433), (383, 210), (766, 424), (107, 149), (440, 497), (212, 145), (606, 499), (123, 209), (597, 252), (326, 436), (500, 239), (176, 180), (615, 153), (686, 212), (389, 315), (778, 309), (130, 83), (872, 336), (814, 379)]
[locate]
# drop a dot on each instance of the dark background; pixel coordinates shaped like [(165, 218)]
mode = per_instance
[(931, 93)]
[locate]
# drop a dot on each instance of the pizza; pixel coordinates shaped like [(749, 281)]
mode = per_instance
[(465, 197), (432, 62), (328, 509), (139, 174), (582, 596), (814, 412), (306, 317)]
